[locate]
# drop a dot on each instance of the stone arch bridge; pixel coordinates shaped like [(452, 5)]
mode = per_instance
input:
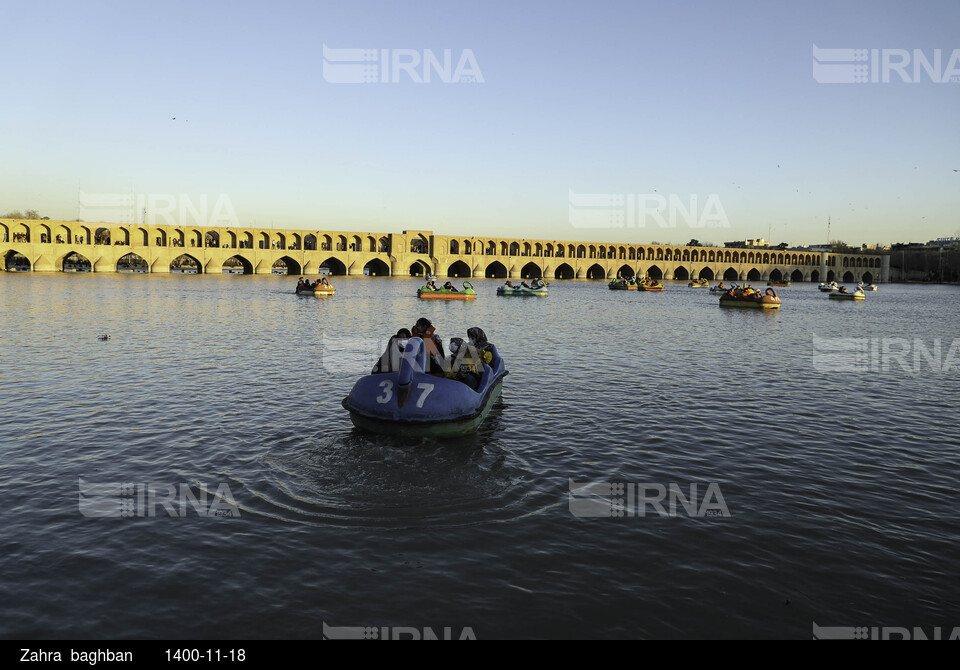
[(52, 246)]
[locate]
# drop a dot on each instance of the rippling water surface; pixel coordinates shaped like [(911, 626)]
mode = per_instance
[(841, 486)]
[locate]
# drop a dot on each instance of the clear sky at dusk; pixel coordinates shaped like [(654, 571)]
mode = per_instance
[(623, 98)]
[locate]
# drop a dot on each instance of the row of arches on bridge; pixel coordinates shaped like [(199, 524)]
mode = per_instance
[(77, 233), (185, 263), (649, 253)]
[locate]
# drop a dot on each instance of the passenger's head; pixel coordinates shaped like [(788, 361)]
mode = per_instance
[(477, 336), (404, 333)]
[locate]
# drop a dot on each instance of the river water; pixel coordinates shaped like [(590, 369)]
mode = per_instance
[(825, 470)]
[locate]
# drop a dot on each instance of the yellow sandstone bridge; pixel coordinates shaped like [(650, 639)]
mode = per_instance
[(65, 246)]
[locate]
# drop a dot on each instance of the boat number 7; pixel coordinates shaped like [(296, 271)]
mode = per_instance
[(387, 387), (426, 391)]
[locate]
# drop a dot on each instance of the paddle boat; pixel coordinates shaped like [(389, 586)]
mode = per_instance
[(431, 277), (844, 294), (720, 289), (443, 293), (782, 282), (621, 284), (408, 401), (322, 287), (867, 287), (827, 287), (750, 298), (537, 288), (651, 285), (699, 283)]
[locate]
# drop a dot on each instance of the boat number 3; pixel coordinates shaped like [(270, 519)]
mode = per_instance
[(387, 386)]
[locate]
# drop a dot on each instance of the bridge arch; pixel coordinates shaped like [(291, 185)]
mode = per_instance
[(730, 274), (680, 272), (796, 276), (237, 262), (596, 271), (376, 268), (753, 274), (776, 276), (14, 261), (419, 269), (626, 271), (496, 270), (564, 271), (74, 262), (654, 272), (848, 276), (867, 277), (334, 266), (132, 263), (459, 269), (291, 266), (186, 264), (706, 273), (531, 271)]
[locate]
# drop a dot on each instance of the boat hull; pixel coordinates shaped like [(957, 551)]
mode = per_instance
[(847, 296), (439, 429), (653, 289), (444, 295), (521, 292), (409, 401), (749, 304)]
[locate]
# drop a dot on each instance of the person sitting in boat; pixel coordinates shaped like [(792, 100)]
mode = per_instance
[(450, 287), (477, 338), (432, 286), (434, 345), (524, 284), (300, 284), (509, 285), (464, 363), (843, 289), (323, 281), (389, 361)]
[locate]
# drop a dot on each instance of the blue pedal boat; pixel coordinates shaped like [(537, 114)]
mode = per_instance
[(412, 402)]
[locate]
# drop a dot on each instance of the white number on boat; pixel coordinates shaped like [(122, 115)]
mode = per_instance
[(387, 387), (426, 391)]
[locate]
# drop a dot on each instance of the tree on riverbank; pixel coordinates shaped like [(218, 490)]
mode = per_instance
[(30, 215)]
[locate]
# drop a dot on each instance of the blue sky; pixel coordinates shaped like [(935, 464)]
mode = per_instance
[(690, 99)]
